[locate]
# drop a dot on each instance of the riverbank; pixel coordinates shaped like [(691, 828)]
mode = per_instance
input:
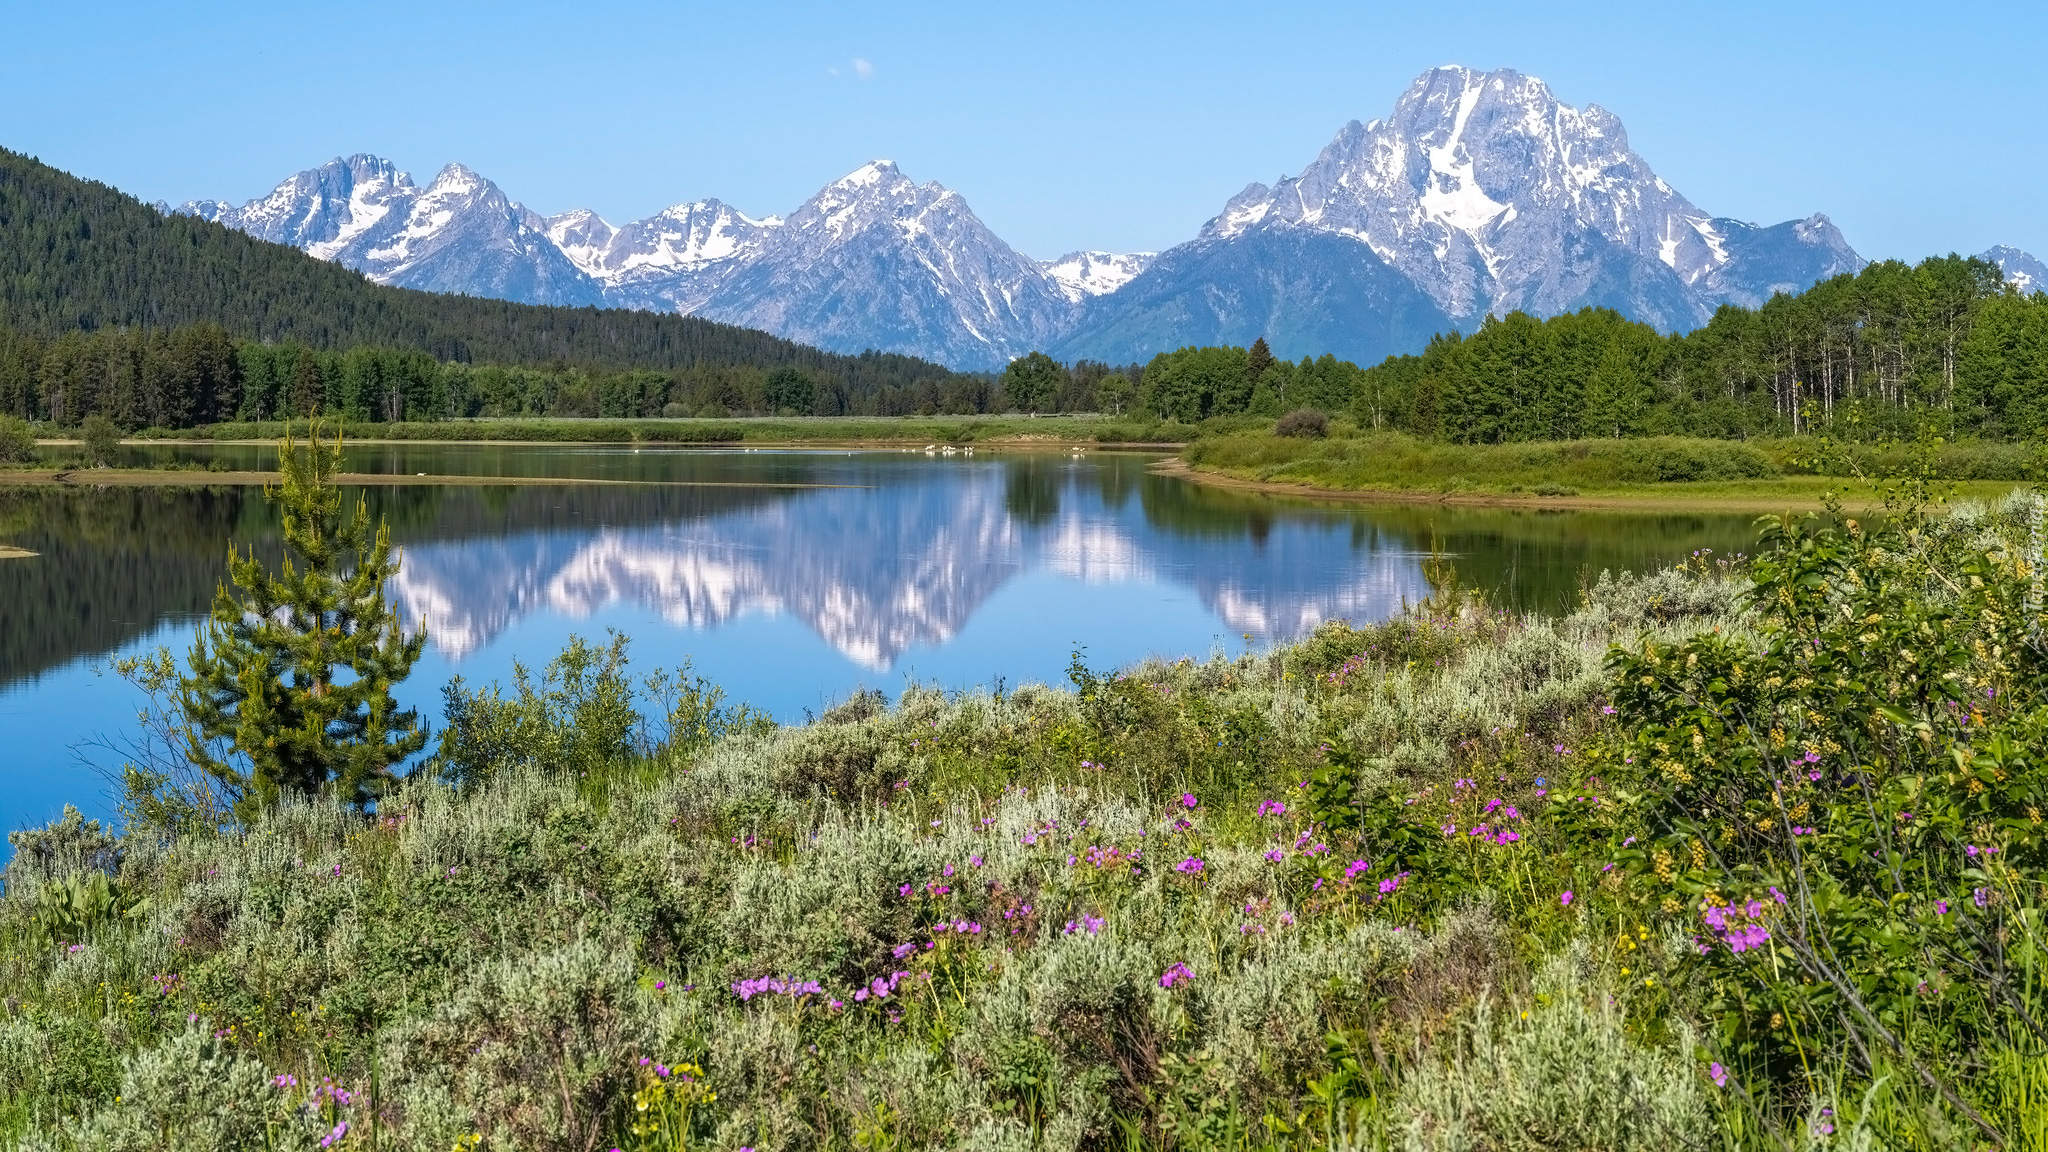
[(204, 478), (810, 431), (1651, 473), (1787, 494)]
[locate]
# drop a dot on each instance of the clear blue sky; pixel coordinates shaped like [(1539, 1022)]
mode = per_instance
[(1919, 128)]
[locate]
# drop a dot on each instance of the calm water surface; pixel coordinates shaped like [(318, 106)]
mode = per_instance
[(789, 577)]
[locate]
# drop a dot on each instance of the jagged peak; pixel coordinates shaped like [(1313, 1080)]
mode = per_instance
[(870, 174)]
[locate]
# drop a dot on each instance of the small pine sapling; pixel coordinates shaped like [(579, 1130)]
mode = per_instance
[(293, 672)]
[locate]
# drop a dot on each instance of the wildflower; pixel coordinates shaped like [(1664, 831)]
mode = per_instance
[(661, 985), (1178, 973), (1187, 800), (1565, 898), (1717, 1074), (1192, 866), (1273, 856), (1980, 897), (1272, 808), (1941, 907)]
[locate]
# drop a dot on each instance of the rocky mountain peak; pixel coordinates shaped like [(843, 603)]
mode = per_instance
[(2022, 270)]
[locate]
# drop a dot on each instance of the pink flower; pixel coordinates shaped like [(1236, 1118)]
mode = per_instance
[(1566, 898), (1187, 800), (1717, 1074)]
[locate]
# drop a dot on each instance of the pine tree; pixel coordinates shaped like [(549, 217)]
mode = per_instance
[(1257, 360), (307, 387), (294, 671)]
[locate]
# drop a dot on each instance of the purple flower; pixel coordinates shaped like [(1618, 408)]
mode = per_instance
[(1178, 973), (1717, 1074), (1979, 897), (1941, 907), (1565, 898), (1192, 866)]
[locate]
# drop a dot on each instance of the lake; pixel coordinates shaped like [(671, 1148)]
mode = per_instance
[(791, 578)]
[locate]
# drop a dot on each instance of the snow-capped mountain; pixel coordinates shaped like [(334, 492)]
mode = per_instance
[(1481, 193), (1485, 193), (458, 234), (2021, 269), (875, 260)]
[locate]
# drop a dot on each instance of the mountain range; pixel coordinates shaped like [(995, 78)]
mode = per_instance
[(1481, 193)]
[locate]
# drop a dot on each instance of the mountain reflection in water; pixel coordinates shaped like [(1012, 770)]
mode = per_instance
[(898, 553)]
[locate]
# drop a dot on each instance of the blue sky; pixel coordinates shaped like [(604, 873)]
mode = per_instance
[(1918, 128)]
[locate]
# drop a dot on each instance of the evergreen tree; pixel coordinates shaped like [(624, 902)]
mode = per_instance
[(307, 388), (1257, 359), (294, 671)]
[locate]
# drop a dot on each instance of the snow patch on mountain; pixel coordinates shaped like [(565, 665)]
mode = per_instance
[(1084, 274)]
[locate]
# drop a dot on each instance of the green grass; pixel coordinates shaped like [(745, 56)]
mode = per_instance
[(1393, 462), (916, 430)]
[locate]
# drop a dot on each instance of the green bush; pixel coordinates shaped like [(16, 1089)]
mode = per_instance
[(1303, 424), (17, 441), (102, 441)]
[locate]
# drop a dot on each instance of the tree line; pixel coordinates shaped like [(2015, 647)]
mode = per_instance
[(1881, 352)]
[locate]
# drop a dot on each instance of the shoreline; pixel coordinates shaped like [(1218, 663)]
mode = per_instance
[(195, 478), (1645, 501)]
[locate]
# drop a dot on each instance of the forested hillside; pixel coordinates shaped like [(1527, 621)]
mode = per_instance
[(81, 257)]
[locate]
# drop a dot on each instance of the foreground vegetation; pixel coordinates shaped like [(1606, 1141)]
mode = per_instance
[(1737, 855)]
